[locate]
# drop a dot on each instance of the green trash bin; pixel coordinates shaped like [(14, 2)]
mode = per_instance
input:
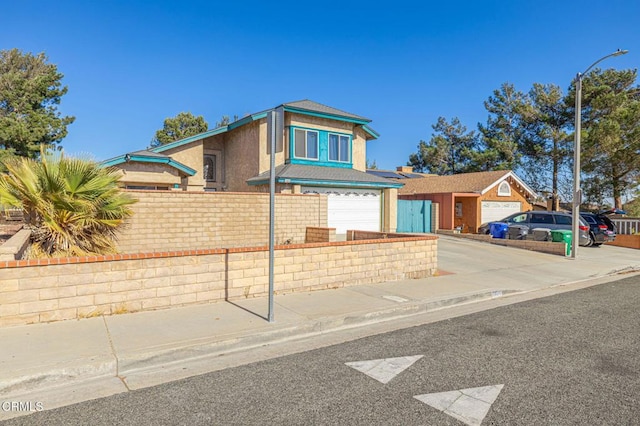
[(562, 236)]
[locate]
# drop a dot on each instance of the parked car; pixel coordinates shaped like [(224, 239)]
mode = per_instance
[(542, 219), (602, 229)]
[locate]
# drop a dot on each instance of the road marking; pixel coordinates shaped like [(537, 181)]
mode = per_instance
[(383, 370), (396, 299), (470, 406)]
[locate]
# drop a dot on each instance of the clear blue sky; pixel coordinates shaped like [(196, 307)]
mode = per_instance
[(131, 64)]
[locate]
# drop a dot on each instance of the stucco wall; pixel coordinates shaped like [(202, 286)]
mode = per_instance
[(242, 151), (135, 173), (167, 221), (190, 155)]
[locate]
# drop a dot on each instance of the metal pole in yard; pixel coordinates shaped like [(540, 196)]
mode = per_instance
[(271, 135)]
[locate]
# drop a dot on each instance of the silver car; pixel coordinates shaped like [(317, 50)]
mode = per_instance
[(543, 219)]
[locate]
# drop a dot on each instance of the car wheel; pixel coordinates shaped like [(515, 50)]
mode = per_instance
[(591, 240)]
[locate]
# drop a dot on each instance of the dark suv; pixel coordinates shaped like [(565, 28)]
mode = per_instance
[(601, 228), (543, 219)]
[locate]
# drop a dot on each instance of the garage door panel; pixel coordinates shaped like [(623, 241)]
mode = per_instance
[(357, 209), (492, 211)]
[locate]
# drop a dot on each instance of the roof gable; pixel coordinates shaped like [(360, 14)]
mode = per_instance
[(145, 156), (478, 182)]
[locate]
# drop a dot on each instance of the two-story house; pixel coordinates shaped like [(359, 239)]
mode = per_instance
[(323, 151)]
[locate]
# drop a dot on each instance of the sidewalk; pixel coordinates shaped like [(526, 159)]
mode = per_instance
[(101, 356)]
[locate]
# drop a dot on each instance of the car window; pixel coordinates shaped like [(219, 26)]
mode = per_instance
[(541, 218), (518, 218), (563, 220)]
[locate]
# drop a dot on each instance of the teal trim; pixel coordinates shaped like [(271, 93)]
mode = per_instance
[(190, 139), (332, 183), (323, 149), (370, 131), (324, 115), (336, 164), (216, 131), (142, 159)]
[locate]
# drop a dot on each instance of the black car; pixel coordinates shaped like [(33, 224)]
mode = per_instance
[(602, 229)]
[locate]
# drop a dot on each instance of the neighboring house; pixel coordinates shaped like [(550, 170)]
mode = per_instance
[(323, 152), (467, 200)]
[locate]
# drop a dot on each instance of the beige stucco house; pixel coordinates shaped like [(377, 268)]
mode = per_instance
[(321, 150)]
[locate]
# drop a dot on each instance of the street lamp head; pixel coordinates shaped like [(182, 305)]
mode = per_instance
[(620, 52)]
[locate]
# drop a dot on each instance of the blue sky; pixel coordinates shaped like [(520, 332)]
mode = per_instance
[(131, 64)]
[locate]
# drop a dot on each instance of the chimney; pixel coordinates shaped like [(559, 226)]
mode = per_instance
[(404, 169)]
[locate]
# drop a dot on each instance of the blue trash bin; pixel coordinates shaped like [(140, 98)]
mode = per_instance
[(498, 229)]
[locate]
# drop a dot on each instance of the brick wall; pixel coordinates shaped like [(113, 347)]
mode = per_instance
[(173, 220), (320, 235), (33, 291), (541, 246)]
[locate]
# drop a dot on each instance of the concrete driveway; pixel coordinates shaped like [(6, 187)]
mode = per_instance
[(483, 264)]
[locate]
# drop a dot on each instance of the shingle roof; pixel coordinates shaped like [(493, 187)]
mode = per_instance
[(477, 182), (312, 106), (300, 172)]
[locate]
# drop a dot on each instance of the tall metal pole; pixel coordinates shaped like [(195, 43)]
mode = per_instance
[(577, 192), (272, 204)]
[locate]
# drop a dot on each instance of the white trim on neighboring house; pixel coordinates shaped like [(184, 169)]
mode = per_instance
[(514, 177), (504, 189)]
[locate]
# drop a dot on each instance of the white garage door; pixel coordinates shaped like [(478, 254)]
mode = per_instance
[(357, 209), (493, 211)]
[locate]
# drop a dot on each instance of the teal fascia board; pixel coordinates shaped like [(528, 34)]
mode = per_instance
[(321, 163), (142, 159), (323, 115), (190, 139), (370, 131), (347, 184), (216, 131)]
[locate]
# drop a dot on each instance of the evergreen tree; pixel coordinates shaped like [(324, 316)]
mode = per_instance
[(450, 150), (179, 127), (30, 92)]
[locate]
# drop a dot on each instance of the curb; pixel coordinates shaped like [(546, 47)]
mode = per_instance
[(121, 366)]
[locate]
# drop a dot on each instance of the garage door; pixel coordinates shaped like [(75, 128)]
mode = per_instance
[(357, 209), (492, 211)]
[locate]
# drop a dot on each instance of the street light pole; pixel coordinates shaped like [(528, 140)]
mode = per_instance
[(577, 192)]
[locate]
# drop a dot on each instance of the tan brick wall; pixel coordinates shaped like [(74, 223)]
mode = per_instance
[(541, 246), (320, 235), (68, 288), (168, 221)]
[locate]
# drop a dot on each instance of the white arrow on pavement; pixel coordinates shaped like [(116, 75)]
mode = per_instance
[(470, 406), (383, 370)]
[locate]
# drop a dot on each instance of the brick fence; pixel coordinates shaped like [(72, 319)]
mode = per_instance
[(176, 220), (33, 291), (541, 246)]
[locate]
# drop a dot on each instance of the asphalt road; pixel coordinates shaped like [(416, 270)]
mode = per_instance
[(570, 359)]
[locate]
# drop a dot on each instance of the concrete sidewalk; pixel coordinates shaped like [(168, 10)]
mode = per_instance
[(64, 362)]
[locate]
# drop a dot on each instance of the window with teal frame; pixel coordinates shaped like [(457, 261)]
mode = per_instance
[(306, 144), (339, 148)]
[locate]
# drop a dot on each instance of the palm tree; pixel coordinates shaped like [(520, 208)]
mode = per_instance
[(73, 206)]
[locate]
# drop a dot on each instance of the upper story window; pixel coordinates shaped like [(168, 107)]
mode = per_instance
[(306, 144), (339, 148)]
